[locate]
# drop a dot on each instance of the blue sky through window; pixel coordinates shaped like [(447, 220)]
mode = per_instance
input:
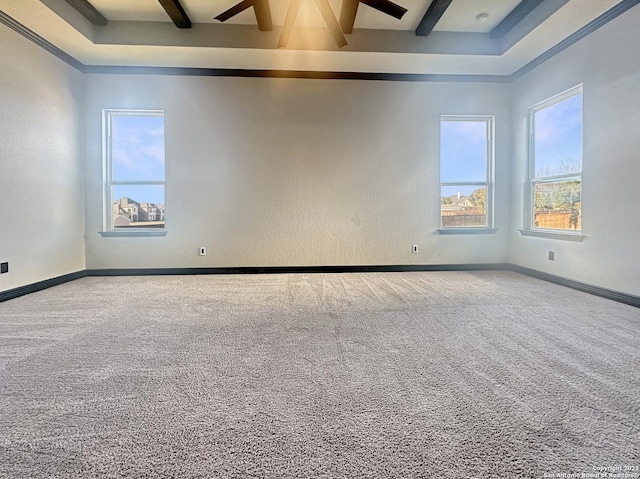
[(454, 190), (138, 155), (558, 137), (463, 151)]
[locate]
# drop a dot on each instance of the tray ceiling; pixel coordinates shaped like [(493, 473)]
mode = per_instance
[(463, 37)]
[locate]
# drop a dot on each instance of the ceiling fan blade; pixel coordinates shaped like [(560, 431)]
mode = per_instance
[(348, 15), (289, 22), (233, 11), (263, 15), (386, 6), (332, 22)]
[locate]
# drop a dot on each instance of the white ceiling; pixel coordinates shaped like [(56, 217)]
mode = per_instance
[(139, 33), (461, 15)]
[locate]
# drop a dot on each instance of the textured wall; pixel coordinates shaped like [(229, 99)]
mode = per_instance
[(274, 172), (608, 64), (41, 171), (268, 172)]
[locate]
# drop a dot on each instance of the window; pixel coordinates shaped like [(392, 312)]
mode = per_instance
[(133, 170), (466, 169), (555, 172)]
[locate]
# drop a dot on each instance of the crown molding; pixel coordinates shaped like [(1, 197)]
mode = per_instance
[(583, 32)]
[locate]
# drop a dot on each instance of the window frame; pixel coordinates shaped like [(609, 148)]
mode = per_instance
[(489, 182), (529, 214), (108, 183)]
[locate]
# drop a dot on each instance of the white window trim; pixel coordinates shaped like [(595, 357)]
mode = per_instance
[(529, 229), (489, 183), (107, 176)]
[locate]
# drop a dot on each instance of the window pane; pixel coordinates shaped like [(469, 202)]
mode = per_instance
[(138, 206), (558, 205), (558, 138), (463, 206), (463, 151), (137, 147)]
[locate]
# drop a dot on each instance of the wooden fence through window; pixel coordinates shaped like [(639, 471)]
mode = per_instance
[(463, 218), (558, 220)]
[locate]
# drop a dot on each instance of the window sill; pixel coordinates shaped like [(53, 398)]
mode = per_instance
[(559, 235), (467, 231), (131, 233)]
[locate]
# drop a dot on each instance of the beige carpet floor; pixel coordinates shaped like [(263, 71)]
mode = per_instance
[(380, 375)]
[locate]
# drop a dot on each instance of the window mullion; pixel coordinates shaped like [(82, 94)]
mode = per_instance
[(137, 183), (559, 178), (464, 183)]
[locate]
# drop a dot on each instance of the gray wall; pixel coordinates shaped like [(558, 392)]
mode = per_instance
[(276, 172), (41, 169), (280, 172), (608, 64)]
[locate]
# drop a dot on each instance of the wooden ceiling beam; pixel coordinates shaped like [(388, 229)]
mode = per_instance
[(88, 11), (176, 13), (434, 12), (524, 8)]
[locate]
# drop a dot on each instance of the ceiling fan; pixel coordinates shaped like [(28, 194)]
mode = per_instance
[(260, 8), (338, 29)]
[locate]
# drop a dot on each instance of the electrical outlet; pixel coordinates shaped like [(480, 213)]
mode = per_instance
[(203, 251), (552, 255), (414, 249), (4, 267)]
